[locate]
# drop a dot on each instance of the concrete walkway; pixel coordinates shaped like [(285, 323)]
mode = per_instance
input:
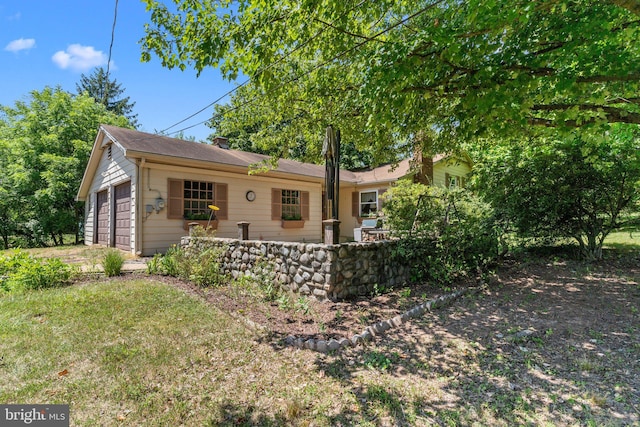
[(129, 266)]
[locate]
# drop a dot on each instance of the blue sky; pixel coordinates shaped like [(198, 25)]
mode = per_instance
[(50, 43)]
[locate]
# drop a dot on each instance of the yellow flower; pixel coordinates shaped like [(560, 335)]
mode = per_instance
[(214, 208)]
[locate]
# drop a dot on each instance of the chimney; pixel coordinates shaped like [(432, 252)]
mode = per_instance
[(424, 168), (427, 169), (221, 142)]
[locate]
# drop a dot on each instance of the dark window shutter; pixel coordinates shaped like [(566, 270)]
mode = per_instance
[(276, 204), (304, 205), (220, 195), (447, 180), (175, 209), (355, 204)]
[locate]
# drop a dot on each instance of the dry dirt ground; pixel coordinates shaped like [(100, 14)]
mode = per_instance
[(548, 340)]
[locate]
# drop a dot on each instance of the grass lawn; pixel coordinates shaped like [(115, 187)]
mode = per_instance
[(550, 342), (138, 352)]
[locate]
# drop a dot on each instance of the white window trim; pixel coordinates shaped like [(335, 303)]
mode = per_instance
[(360, 213)]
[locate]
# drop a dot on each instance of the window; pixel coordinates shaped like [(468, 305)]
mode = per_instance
[(453, 181), (190, 199), (198, 195), (289, 205), (368, 203)]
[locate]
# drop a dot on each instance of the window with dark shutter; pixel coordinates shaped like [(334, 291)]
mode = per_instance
[(289, 205), (221, 200), (175, 209), (355, 204), (191, 199), (276, 204)]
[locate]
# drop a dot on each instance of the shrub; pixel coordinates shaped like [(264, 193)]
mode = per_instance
[(112, 262), (445, 234), (201, 267), (21, 271)]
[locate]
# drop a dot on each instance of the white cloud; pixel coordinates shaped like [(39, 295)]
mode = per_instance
[(15, 17), (20, 44), (79, 58)]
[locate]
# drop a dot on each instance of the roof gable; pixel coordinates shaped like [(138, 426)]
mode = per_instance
[(138, 145)]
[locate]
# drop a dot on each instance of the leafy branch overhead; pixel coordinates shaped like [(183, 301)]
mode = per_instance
[(466, 69)]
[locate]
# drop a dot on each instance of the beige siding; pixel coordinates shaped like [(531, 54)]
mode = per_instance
[(347, 221), (109, 173), (159, 232), (452, 166)]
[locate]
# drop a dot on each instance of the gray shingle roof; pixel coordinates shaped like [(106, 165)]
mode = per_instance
[(134, 141)]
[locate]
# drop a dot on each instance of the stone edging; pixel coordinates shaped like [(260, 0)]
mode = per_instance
[(324, 346)]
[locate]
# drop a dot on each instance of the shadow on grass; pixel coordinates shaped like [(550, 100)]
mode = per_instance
[(233, 414), (542, 345)]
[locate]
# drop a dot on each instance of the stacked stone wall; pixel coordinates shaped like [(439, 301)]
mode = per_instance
[(322, 271)]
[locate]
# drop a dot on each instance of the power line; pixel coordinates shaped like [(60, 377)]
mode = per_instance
[(113, 32), (202, 109), (338, 56), (260, 71)]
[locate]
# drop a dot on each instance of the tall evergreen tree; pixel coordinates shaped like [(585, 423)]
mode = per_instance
[(108, 93)]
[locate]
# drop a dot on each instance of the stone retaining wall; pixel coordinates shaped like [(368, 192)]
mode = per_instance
[(322, 271)]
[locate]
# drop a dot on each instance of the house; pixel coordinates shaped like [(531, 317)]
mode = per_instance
[(141, 190)]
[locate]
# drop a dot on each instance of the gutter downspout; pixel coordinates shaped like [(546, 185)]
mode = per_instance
[(139, 207)]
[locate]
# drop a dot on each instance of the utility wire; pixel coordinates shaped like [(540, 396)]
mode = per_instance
[(260, 71), (113, 32), (338, 56)]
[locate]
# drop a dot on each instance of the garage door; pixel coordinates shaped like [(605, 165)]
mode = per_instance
[(102, 219), (123, 216)]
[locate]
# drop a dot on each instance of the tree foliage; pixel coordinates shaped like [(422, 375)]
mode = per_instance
[(45, 144), (570, 188), (383, 71), (446, 234), (108, 93)]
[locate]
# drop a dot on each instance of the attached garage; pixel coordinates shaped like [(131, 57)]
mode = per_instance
[(101, 235), (122, 213)]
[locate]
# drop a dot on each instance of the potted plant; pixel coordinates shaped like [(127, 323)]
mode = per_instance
[(292, 221), (203, 218)]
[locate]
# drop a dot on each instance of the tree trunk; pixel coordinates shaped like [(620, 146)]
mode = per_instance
[(591, 250)]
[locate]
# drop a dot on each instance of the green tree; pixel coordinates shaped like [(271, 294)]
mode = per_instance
[(567, 188), (107, 92), (8, 210), (46, 142), (290, 126), (446, 233), (383, 71)]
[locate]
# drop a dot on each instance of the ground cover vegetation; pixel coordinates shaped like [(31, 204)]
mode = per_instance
[(549, 341)]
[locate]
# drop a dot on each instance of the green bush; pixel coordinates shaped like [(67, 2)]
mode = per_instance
[(20, 271), (112, 262), (201, 267), (444, 234)]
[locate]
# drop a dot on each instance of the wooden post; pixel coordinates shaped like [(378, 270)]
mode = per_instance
[(331, 231), (243, 230)]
